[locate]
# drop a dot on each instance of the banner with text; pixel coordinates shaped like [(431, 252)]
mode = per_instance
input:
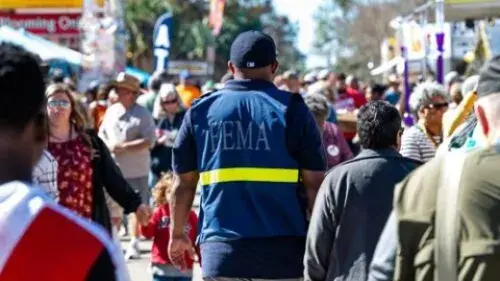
[(43, 24), (161, 41)]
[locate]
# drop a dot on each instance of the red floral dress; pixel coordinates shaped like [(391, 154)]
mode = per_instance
[(74, 175)]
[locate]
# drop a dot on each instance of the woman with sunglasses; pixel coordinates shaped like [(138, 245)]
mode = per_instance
[(429, 101), (169, 111), (85, 166)]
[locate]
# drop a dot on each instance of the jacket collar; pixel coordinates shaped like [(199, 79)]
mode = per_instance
[(247, 84), (379, 153)]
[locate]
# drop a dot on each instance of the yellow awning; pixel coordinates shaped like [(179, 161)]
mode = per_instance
[(26, 4)]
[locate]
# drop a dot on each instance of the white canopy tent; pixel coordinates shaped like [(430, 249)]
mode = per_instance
[(37, 45)]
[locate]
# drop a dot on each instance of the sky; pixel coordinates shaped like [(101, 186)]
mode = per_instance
[(302, 11)]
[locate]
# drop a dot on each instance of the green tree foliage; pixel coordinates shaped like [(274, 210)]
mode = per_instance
[(191, 35)]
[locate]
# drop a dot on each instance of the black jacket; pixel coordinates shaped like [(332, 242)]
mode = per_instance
[(107, 175)]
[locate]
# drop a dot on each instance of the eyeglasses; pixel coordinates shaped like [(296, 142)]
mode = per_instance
[(442, 105), (169, 101), (60, 103)]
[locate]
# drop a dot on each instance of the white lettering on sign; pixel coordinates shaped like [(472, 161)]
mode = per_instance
[(161, 55), (162, 38), (233, 135), (66, 23), (42, 24), (35, 23)]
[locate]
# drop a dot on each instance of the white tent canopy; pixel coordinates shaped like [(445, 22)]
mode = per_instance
[(385, 67), (37, 45)]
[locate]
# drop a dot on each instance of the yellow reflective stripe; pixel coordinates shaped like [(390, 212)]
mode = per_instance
[(249, 174)]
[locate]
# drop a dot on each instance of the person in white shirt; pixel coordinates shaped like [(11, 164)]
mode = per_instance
[(45, 174)]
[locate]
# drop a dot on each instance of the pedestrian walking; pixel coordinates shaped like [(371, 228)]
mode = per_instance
[(355, 200), (336, 147), (31, 223), (461, 188), (254, 150), (420, 142), (85, 166), (169, 105), (128, 130), (159, 230)]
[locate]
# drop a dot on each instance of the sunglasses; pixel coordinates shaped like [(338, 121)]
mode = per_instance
[(59, 103), (169, 101), (442, 105)]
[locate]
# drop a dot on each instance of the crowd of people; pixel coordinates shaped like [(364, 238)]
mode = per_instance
[(285, 192)]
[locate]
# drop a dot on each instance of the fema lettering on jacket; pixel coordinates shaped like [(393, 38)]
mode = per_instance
[(235, 135)]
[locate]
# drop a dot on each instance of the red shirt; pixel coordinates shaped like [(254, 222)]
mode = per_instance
[(159, 229), (74, 175), (357, 96)]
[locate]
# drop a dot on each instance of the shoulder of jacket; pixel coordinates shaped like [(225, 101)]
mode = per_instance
[(203, 97), (411, 161), (413, 188)]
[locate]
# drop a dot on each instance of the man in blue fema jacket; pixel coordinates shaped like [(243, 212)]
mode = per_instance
[(254, 149)]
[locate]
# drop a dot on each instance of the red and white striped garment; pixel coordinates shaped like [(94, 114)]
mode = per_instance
[(40, 240)]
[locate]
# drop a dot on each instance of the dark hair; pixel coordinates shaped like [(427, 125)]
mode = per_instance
[(379, 124), (157, 79), (378, 89), (17, 67)]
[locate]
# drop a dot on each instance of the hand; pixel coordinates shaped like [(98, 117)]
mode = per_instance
[(118, 148), (142, 214), (178, 247), (162, 139)]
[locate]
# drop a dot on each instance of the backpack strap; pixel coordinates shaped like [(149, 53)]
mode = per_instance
[(446, 230)]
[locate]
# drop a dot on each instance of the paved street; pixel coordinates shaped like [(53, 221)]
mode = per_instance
[(139, 268)]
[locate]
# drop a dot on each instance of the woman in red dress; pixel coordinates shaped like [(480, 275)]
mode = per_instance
[(85, 164)]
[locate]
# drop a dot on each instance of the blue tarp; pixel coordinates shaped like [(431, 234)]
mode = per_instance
[(142, 75)]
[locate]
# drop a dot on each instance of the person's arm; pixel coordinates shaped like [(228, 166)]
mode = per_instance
[(306, 146), (148, 231), (113, 180), (138, 144), (184, 164), (321, 234), (147, 128), (384, 257)]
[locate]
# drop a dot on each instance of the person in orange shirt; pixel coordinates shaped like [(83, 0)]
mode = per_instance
[(187, 89)]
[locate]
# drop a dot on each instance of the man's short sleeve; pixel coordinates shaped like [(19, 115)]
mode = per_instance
[(184, 151), (147, 125), (304, 140)]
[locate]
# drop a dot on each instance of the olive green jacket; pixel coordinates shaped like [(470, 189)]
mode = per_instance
[(479, 219)]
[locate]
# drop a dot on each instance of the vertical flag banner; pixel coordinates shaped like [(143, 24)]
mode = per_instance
[(161, 41), (103, 41), (216, 18)]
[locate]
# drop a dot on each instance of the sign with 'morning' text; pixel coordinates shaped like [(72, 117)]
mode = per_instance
[(43, 24), (161, 41)]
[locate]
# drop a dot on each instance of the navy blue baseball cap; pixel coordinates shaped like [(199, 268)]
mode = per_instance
[(253, 49)]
